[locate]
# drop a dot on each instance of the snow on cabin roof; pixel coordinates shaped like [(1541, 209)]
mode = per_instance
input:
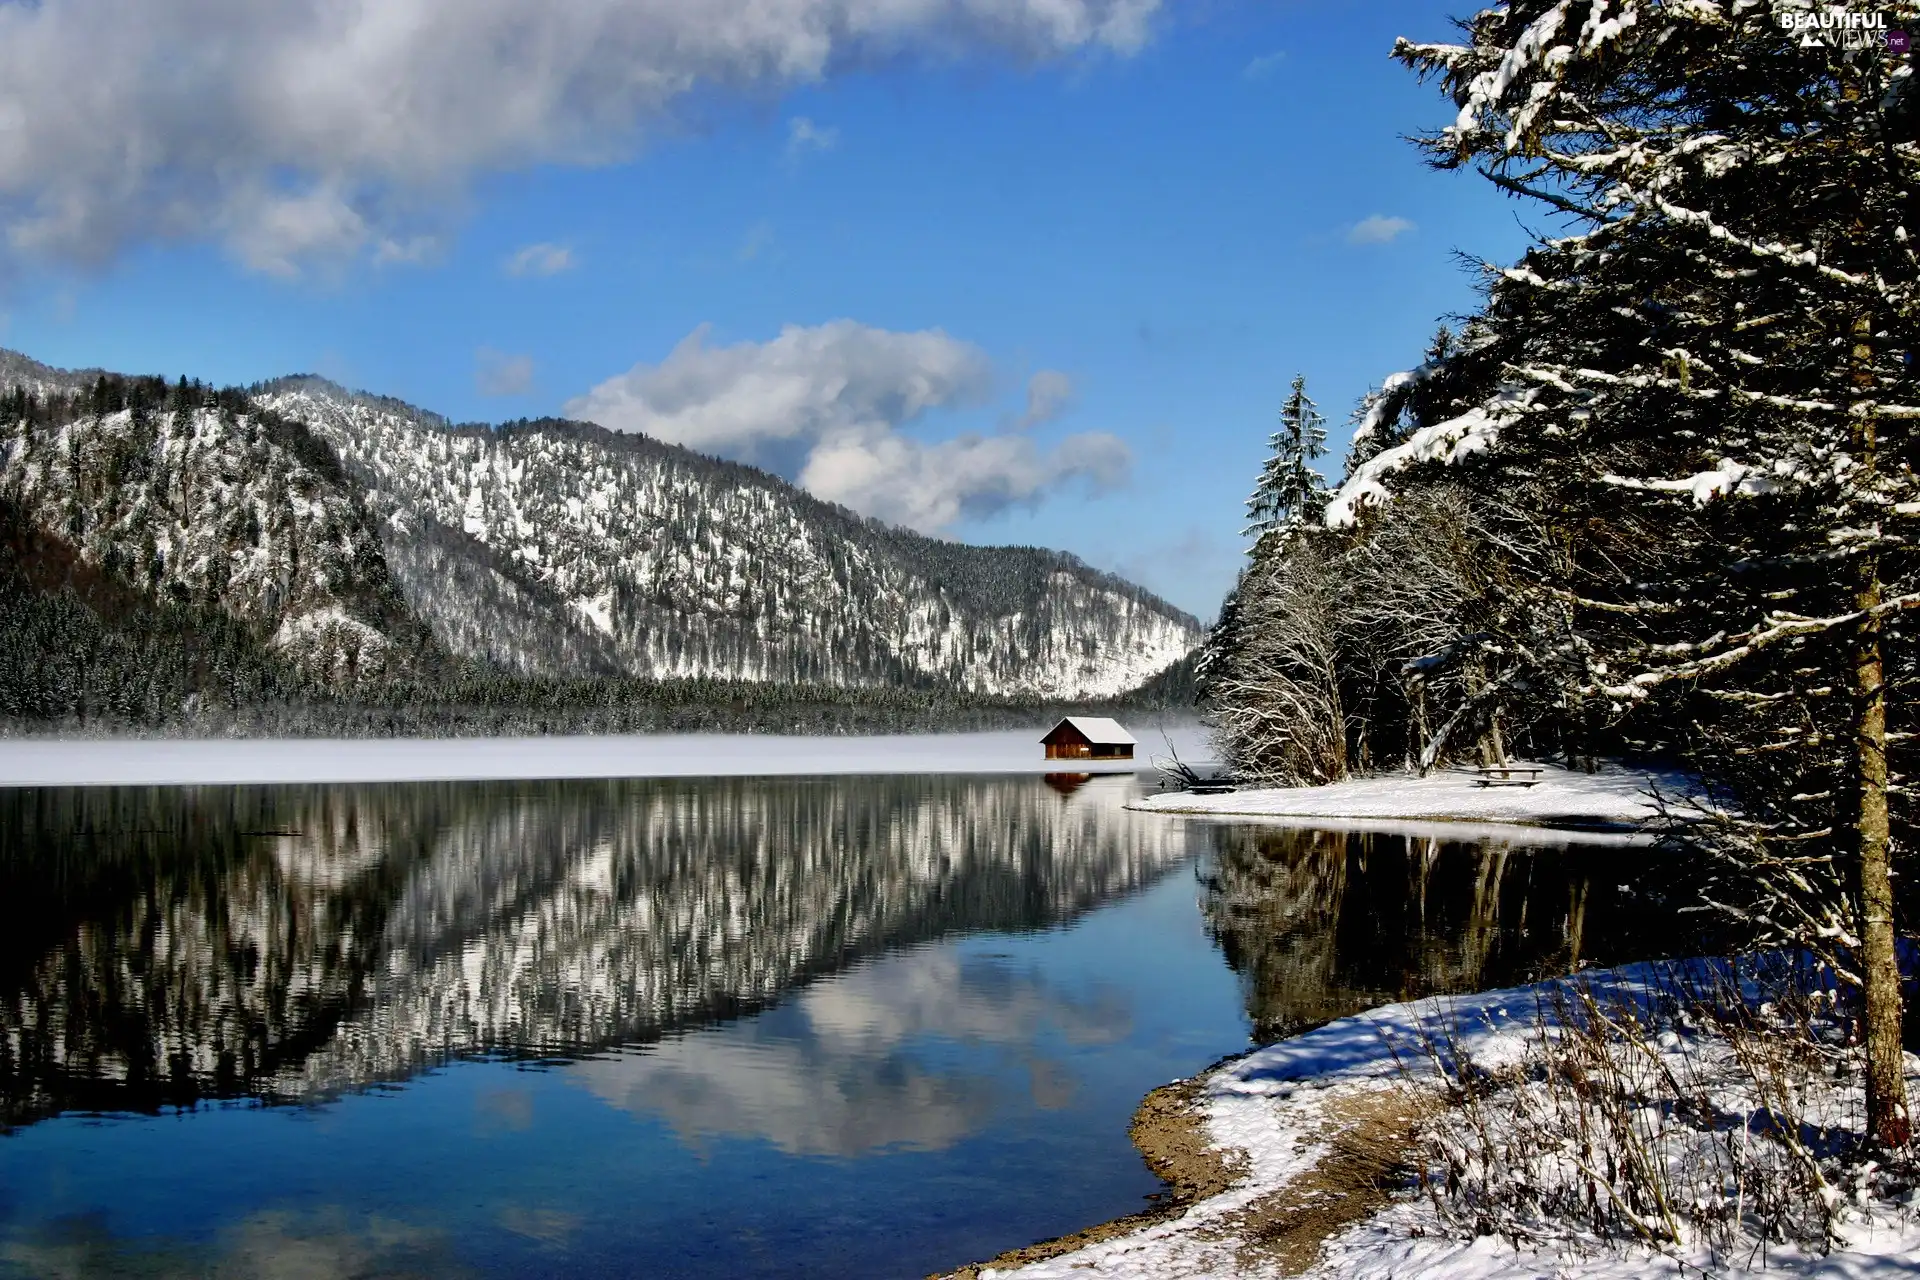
[(1097, 729)]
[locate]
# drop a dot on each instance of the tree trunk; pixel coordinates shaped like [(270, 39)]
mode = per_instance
[(1887, 1119), (1888, 1123)]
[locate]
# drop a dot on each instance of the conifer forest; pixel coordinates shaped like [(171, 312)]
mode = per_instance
[(1657, 496)]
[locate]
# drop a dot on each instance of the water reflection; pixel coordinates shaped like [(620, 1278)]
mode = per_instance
[(165, 945), (1321, 924), (844, 1072), (785, 1027), (270, 1245)]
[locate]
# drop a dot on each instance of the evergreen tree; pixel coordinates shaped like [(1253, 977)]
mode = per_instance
[(1701, 393), (1288, 497), (1290, 493)]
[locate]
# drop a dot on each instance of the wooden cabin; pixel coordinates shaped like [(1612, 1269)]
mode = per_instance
[(1088, 738)]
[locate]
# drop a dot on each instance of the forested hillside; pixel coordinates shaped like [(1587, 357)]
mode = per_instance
[(559, 548), (179, 500), (304, 559)]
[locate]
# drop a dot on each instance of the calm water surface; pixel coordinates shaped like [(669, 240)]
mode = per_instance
[(846, 1026)]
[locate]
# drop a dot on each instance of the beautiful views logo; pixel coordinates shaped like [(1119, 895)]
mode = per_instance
[(1844, 29)]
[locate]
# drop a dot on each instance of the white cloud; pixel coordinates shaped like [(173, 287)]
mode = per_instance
[(803, 135), (758, 240), (751, 400), (408, 252), (1049, 392), (1378, 229), (274, 233), (930, 486), (306, 129), (823, 407), (541, 259), (496, 373), (1264, 65)]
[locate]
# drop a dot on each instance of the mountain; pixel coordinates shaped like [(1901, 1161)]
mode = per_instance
[(189, 499), (161, 544), (560, 548)]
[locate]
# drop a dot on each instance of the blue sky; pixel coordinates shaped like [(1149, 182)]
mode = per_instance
[(1165, 217)]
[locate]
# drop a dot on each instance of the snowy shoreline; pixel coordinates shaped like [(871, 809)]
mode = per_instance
[(81, 762), (1611, 801), (1279, 1115)]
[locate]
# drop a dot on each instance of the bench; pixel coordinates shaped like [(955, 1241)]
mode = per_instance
[(1212, 787), (1505, 775)]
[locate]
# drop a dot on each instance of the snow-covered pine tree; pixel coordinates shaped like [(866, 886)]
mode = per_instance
[(1705, 389), (1290, 494), (1270, 671)]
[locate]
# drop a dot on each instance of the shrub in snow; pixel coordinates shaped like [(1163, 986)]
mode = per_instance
[(1705, 1118)]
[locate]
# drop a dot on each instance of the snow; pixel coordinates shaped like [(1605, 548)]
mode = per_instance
[(42, 762), (1444, 442), (1278, 1104), (1102, 730), (597, 610), (1729, 477), (1611, 797)]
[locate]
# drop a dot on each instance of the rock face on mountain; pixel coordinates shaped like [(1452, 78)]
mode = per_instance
[(559, 548)]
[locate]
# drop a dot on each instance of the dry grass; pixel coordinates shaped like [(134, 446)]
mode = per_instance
[(1703, 1120)]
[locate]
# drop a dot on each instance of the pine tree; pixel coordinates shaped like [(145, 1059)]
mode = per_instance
[(1290, 494)]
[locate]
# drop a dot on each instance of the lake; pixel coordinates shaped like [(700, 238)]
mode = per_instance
[(866, 1026)]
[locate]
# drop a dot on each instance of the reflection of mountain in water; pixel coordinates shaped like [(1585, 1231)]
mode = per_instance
[(164, 945), (1321, 924)]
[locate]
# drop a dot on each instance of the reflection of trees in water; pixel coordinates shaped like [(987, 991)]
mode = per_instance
[(167, 944), (1320, 924)]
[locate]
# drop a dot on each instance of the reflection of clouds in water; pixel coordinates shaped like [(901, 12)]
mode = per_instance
[(270, 1245), (504, 1109), (550, 1227), (1051, 1086), (847, 1085), (970, 1000), (802, 1099)]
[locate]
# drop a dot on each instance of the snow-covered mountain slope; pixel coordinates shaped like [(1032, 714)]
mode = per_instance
[(38, 379), (561, 548), (196, 498)]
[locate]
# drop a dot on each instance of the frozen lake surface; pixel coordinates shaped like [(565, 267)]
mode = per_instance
[(48, 762)]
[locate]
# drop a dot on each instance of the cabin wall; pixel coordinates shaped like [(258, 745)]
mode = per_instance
[(1088, 751)]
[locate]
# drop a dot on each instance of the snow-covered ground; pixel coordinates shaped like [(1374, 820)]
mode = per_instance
[(1610, 797), (1282, 1108), (42, 762)]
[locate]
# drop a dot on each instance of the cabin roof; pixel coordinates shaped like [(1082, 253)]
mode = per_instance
[(1097, 729)]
